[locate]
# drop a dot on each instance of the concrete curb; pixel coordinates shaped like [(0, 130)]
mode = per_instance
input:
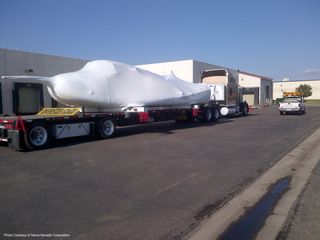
[(298, 163)]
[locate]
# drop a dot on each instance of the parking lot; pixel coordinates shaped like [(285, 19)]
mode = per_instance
[(151, 182)]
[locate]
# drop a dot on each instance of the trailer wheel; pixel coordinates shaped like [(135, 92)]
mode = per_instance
[(107, 127), (37, 137)]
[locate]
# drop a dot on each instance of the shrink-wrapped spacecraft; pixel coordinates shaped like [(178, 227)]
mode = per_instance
[(104, 84)]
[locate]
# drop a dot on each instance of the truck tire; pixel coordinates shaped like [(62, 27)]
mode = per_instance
[(207, 115), (281, 112), (244, 109), (37, 136), (106, 127), (215, 115)]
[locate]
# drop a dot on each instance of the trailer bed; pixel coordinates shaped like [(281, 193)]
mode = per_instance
[(35, 132)]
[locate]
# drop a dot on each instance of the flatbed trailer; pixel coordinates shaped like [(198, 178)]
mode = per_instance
[(34, 132)]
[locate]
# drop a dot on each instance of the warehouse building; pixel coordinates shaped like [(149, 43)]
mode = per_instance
[(21, 97), (290, 86), (257, 90), (27, 96)]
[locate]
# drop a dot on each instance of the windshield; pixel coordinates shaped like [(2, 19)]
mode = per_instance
[(292, 99)]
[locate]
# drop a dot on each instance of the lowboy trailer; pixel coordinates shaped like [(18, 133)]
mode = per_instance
[(33, 132)]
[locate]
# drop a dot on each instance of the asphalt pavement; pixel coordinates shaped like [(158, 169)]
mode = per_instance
[(151, 182)]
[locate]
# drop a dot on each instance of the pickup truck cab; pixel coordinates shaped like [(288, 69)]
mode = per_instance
[(293, 104)]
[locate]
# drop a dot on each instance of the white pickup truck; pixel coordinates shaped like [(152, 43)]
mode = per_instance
[(292, 105)]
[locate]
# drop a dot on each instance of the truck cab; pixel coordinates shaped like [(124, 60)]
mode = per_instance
[(225, 91)]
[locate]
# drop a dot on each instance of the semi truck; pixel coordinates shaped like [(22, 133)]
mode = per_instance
[(204, 103), (226, 91)]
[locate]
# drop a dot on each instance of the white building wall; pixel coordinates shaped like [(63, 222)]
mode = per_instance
[(188, 70), (182, 69), (191, 70), (17, 63), (248, 81), (252, 81), (199, 67), (290, 86)]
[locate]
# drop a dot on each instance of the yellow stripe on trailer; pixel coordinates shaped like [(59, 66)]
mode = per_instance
[(59, 111)]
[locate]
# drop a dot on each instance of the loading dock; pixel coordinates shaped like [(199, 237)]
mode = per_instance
[(28, 98), (251, 96)]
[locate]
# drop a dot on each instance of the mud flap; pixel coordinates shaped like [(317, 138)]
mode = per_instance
[(15, 139)]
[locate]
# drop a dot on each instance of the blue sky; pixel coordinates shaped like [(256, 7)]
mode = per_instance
[(275, 38)]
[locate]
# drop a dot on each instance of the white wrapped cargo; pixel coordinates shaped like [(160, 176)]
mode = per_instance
[(107, 85)]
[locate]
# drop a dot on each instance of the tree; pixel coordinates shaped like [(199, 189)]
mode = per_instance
[(305, 89)]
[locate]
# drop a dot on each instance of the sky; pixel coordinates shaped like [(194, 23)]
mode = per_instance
[(274, 38)]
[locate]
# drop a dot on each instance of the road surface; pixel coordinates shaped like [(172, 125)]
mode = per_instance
[(152, 182)]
